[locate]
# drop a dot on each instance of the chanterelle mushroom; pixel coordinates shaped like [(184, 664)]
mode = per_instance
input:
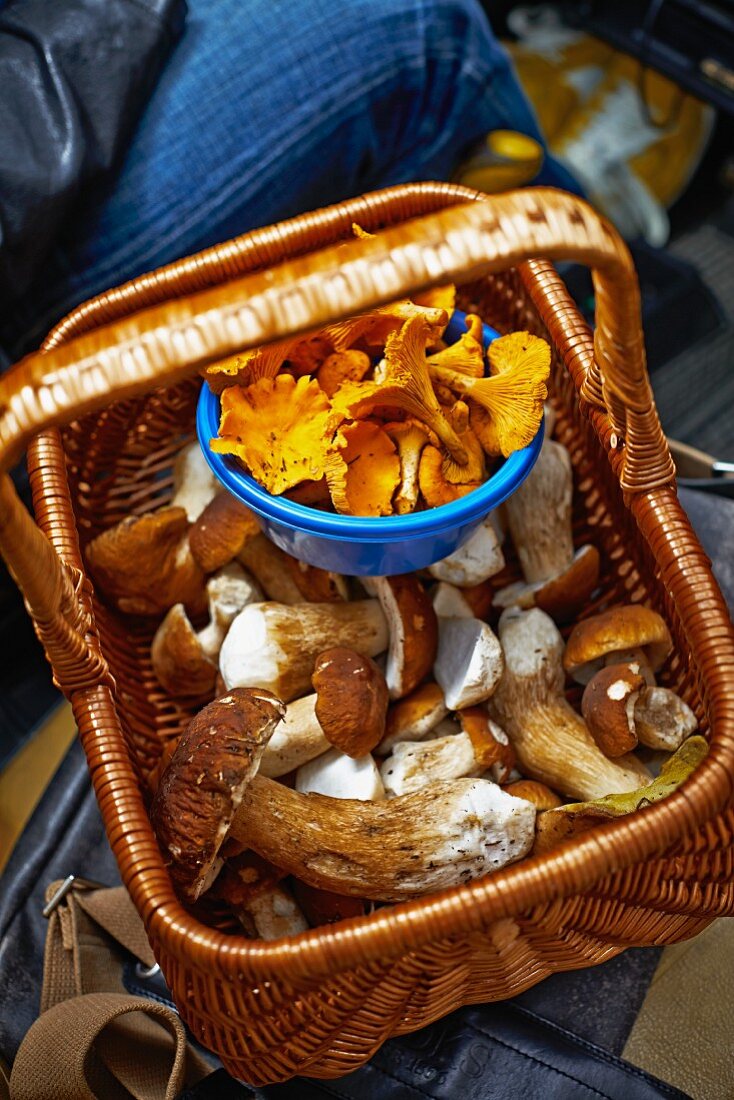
[(633, 633), (445, 834), (557, 580), (185, 661), (273, 646), (144, 563), (409, 437), (551, 740), (202, 786)]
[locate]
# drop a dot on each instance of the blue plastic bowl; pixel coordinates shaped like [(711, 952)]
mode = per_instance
[(360, 545)]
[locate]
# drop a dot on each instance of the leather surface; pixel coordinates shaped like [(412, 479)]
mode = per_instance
[(74, 75)]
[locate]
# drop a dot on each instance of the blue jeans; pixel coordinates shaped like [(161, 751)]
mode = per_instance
[(272, 107)]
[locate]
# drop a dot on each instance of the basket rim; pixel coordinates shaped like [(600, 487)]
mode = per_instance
[(561, 873)]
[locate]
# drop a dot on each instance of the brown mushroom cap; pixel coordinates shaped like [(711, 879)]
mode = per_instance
[(542, 797), (608, 707), (413, 631), (324, 907), (352, 700), (205, 781), (620, 629), (317, 585), (490, 743), (144, 564), (221, 531), (179, 662), (270, 567), (413, 718), (563, 596)]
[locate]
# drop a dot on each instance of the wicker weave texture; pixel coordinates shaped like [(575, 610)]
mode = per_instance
[(323, 1002)]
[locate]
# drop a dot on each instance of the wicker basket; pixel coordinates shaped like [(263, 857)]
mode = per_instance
[(322, 1003)]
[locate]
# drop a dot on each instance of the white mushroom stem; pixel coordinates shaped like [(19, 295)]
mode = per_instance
[(274, 913), (449, 602), (445, 834), (550, 739), (539, 515), (185, 661), (469, 662), (228, 591), (340, 776), (194, 485), (273, 646), (662, 719), (478, 559), (298, 739), (415, 763)]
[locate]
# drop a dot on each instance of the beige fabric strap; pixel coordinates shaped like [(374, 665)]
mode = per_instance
[(93, 1040)]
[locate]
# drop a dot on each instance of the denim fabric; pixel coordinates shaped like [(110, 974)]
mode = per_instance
[(272, 107)]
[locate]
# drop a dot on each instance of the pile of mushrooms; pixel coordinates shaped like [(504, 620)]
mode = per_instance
[(370, 740)]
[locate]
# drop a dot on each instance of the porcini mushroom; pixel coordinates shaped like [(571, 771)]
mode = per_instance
[(446, 833), (414, 717), (542, 797), (409, 437), (194, 485), (413, 630), (557, 579), (324, 907), (254, 891), (412, 764), (271, 568), (145, 564), (274, 646), (662, 719), (620, 710), (608, 707), (184, 661), (202, 786), (219, 533), (351, 700), (489, 742), (298, 739), (550, 739), (462, 603), (469, 662), (556, 825), (340, 776), (478, 559), (629, 633), (317, 585)]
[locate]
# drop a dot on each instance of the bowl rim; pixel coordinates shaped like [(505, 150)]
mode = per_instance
[(301, 517)]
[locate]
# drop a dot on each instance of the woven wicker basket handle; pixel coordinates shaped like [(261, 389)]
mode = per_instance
[(167, 342)]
